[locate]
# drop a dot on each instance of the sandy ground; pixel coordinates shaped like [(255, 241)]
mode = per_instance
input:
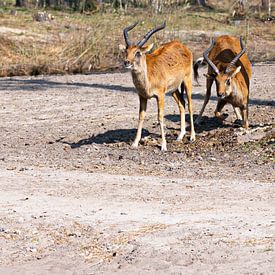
[(76, 199)]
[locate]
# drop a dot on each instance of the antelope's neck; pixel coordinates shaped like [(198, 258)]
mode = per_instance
[(140, 79)]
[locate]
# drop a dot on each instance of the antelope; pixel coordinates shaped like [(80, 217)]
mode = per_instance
[(230, 68), (166, 69)]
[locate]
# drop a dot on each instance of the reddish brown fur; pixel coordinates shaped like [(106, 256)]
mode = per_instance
[(225, 49), (167, 69), (173, 60)]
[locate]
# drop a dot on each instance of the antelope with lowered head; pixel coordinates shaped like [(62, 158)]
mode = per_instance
[(166, 69), (230, 68)]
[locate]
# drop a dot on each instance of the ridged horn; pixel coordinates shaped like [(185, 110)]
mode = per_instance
[(206, 58), (236, 58), (125, 33), (150, 33)]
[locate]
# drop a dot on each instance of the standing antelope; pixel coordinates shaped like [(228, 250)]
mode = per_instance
[(230, 68), (166, 69)]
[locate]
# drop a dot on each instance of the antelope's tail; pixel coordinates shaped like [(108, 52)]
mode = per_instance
[(200, 62)]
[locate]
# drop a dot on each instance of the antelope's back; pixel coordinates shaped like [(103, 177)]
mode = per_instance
[(225, 49), (171, 58)]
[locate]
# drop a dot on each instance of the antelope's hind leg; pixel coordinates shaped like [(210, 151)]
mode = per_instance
[(239, 119), (237, 113), (160, 102), (178, 96), (188, 89)]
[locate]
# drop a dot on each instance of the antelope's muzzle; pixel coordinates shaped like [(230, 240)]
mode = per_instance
[(127, 64), (221, 95)]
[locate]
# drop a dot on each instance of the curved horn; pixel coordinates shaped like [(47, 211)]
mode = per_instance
[(150, 33), (205, 56), (125, 33), (236, 58)]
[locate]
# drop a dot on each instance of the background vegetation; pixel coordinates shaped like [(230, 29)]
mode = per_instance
[(72, 36)]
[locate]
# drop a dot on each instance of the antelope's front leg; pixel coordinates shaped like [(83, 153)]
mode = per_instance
[(209, 83), (142, 111), (221, 103), (160, 101), (244, 112)]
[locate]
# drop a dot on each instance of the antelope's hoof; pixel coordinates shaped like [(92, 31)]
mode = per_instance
[(192, 138), (180, 136), (163, 147), (218, 114), (134, 145), (245, 126)]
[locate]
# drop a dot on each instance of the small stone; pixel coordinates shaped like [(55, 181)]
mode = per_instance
[(200, 158), (24, 199), (31, 249), (11, 168)]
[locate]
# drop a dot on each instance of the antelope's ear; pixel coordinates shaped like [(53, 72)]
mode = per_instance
[(147, 49), (121, 47), (236, 71)]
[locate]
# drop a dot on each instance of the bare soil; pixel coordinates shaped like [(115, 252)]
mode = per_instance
[(76, 199)]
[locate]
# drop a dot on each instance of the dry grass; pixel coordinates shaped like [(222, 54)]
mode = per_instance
[(75, 43)]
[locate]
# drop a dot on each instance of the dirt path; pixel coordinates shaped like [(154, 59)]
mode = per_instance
[(75, 199)]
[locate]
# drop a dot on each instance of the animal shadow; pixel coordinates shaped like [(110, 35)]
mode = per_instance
[(207, 123), (109, 137)]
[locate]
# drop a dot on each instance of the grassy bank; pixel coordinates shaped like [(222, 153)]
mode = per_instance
[(75, 43)]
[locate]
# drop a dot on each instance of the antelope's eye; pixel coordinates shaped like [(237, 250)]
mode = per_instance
[(227, 82), (138, 54)]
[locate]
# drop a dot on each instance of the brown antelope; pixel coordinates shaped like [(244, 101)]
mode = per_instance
[(166, 69), (230, 68)]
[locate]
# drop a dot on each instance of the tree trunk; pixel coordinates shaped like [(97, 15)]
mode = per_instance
[(264, 4), (157, 5), (198, 3), (202, 3), (21, 3)]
